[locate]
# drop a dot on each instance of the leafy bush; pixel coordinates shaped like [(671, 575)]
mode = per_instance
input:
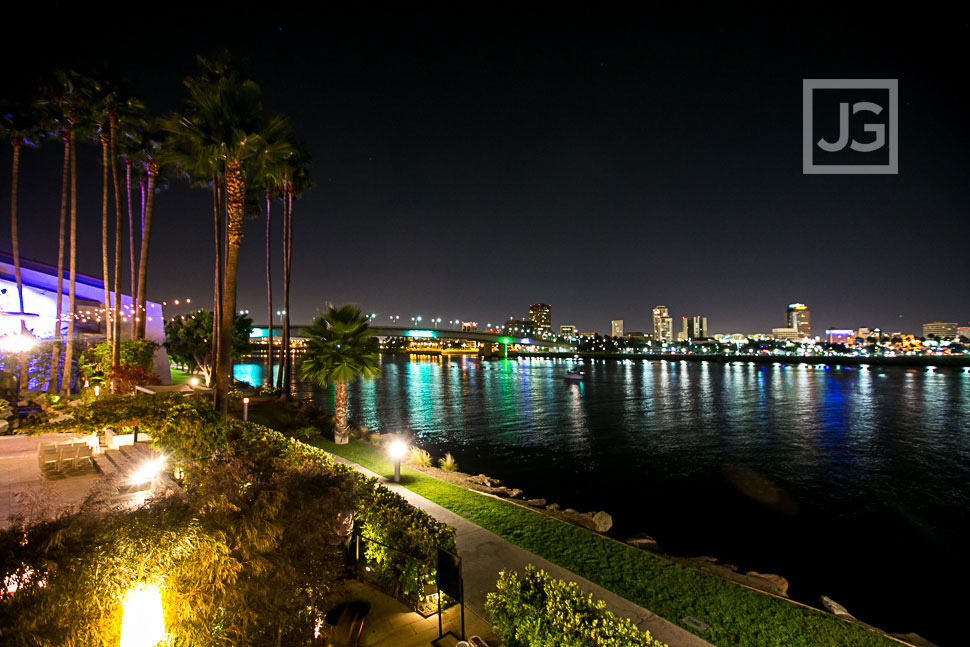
[(191, 432), (535, 610), (134, 352), (419, 457), (124, 378), (448, 463)]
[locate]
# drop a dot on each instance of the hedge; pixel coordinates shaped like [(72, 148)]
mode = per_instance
[(535, 610)]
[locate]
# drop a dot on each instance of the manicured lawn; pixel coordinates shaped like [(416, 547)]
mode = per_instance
[(737, 616)]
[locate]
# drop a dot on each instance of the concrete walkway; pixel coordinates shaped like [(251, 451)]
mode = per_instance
[(484, 554)]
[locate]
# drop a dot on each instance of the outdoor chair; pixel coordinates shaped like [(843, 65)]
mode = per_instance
[(47, 454), (83, 450)]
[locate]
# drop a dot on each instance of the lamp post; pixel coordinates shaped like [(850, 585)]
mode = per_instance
[(396, 451)]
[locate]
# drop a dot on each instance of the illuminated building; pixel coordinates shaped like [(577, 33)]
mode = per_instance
[(694, 328), (39, 282), (964, 331), (567, 331), (785, 333), (798, 317), (469, 326), (663, 326), (940, 329), (520, 328), (541, 315), (616, 328), (840, 336)]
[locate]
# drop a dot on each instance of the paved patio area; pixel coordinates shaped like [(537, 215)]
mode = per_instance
[(390, 622), (24, 489)]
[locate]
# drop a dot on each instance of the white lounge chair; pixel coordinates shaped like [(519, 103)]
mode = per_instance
[(47, 454)]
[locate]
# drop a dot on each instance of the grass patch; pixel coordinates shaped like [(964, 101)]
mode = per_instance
[(737, 616)]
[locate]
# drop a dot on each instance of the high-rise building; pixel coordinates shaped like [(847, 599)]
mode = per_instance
[(520, 328), (541, 315), (568, 331), (693, 328), (616, 328), (940, 329), (798, 317), (663, 325)]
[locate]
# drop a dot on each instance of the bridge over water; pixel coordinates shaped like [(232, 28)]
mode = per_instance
[(434, 333)]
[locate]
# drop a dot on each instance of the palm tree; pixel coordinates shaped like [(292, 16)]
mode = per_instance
[(340, 348), (18, 127), (152, 145), (297, 181), (223, 117)]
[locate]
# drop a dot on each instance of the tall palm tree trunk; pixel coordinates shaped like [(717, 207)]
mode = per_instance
[(108, 314), (15, 244), (269, 291), (131, 239), (116, 334), (143, 255), (341, 434), (52, 386), (235, 207), (286, 290), (69, 350), (217, 289), (281, 383)]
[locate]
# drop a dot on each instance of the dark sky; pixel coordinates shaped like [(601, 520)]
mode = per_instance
[(469, 162)]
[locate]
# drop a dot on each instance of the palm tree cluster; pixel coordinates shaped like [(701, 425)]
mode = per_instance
[(221, 139)]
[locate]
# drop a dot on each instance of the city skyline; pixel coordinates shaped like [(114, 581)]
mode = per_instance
[(573, 150)]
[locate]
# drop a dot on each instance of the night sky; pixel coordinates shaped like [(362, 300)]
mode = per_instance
[(469, 163)]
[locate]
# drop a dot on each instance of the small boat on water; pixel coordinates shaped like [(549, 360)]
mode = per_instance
[(575, 374)]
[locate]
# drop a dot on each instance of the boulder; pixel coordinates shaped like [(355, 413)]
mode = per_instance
[(4, 427), (645, 542), (501, 491), (553, 507), (777, 581), (536, 503), (59, 416), (834, 607), (515, 493), (602, 521), (481, 479), (40, 401)]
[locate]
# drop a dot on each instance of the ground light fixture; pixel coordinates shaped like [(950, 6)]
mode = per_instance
[(396, 451), (193, 382), (142, 620), (245, 409), (146, 473)]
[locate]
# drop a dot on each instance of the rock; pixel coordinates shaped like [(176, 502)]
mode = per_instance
[(59, 416), (602, 521), (4, 427), (777, 581), (516, 493), (481, 479), (553, 507), (536, 503), (834, 607), (501, 491), (75, 403), (40, 401), (642, 542), (915, 639)]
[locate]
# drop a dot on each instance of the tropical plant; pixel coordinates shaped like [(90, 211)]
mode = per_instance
[(448, 463), (419, 457), (340, 349), (223, 120), (187, 340), (133, 352), (21, 130), (535, 610)]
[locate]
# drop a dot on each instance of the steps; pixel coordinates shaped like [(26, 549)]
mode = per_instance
[(123, 464)]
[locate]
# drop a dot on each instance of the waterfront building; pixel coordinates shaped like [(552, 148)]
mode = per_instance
[(840, 336), (940, 329), (798, 317), (964, 332), (616, 328), (586, 334), (568, 331), (469, 326), (541, 315), (663, 326), (693, 328), (520, 328), (785, 333)]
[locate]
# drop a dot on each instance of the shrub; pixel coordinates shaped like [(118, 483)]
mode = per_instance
[(124, 378), (448, 463), (419, 457), (134, 352), (535, 610)]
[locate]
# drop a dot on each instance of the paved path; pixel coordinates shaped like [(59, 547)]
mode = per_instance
[(484, 554), (23, 489)]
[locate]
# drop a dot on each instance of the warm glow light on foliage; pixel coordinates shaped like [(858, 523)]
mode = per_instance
[(142, 622)]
